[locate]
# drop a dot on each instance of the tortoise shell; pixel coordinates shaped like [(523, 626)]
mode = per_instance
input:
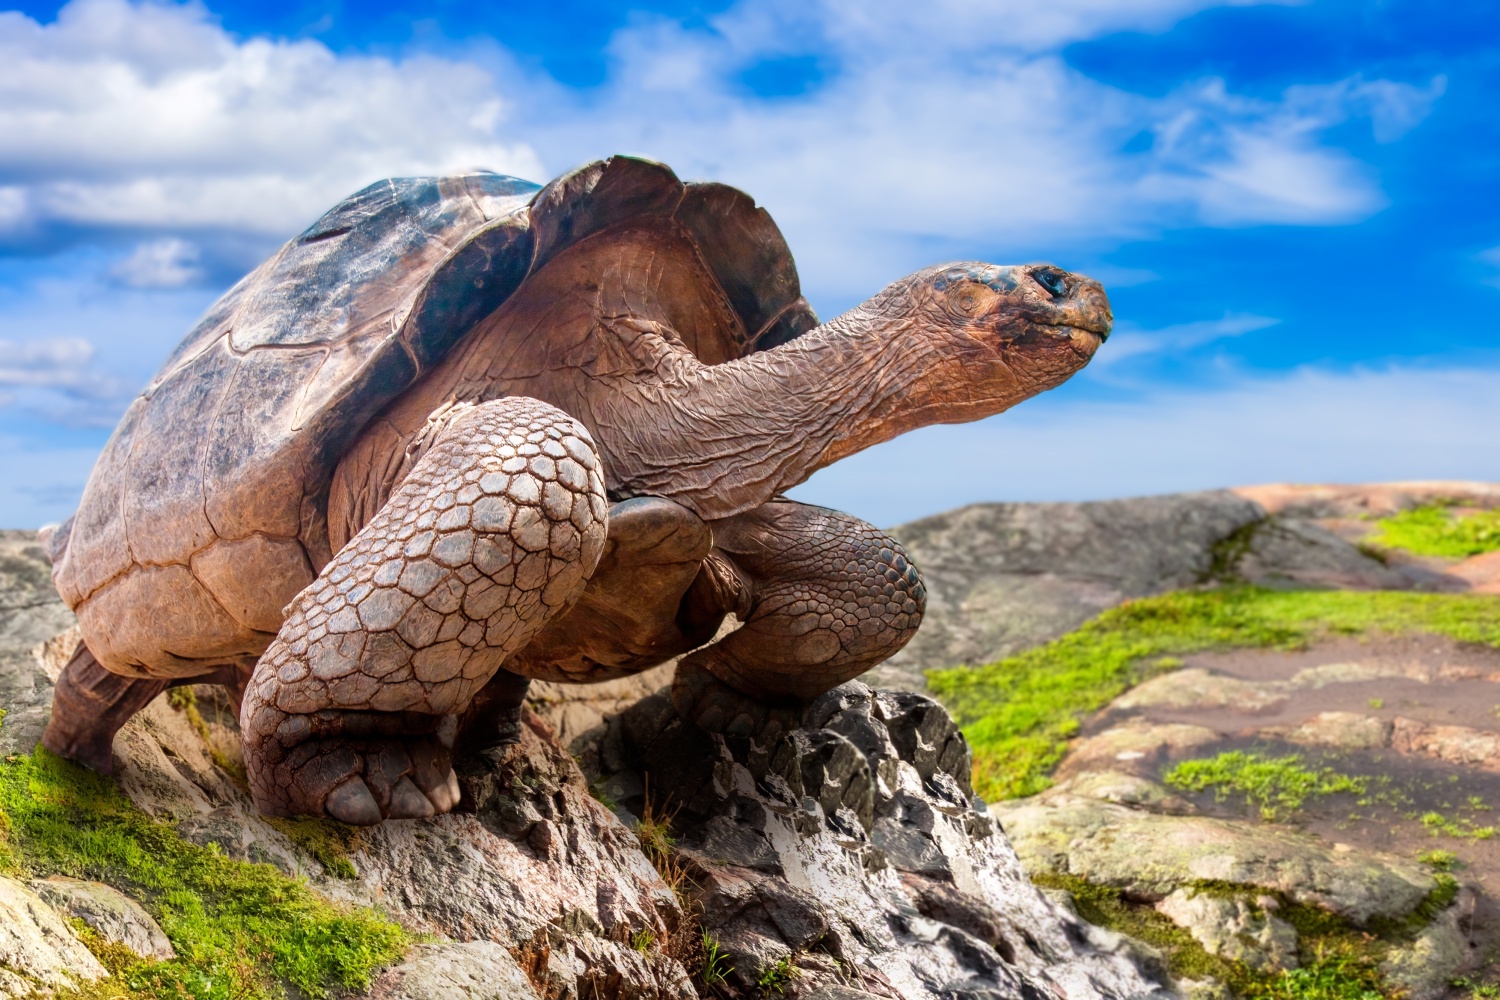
[(207, 508)]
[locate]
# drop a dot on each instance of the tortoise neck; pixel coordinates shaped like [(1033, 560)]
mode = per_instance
[(723, 439)]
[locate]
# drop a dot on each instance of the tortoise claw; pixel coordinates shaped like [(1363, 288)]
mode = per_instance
[(352, 803), (408, 802)]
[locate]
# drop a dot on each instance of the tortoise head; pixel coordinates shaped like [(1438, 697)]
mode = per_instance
[(1001, 334), (953, 343)]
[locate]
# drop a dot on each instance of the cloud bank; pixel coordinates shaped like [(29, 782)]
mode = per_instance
[(157, 156)]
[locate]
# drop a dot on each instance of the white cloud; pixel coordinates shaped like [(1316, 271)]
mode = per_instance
[(876, 28), (1310, 426), (152, 116), (1130, 341), (165, 263), (954, 129), (65, 364)]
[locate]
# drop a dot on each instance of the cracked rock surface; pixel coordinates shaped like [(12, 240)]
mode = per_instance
[(855, 850)]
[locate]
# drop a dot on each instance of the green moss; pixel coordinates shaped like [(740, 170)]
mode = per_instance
[(241, 930), (1018, 712), (1445, 826), (1440, 860), (328, 841), (1277, 785), (1435, 530)]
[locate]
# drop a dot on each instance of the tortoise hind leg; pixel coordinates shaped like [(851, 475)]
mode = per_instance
[(90, 705), (352, 711), (830, 597)]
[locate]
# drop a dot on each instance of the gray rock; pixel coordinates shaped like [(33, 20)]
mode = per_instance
[(925, 901), (1151, 856), (31, 613), (36, 945), (1441, 953), (109, 911), (1293, 552), (1234, 929), (473, 970), (1003, 577)]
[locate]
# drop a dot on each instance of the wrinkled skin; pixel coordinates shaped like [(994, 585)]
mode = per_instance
[(468, 559)]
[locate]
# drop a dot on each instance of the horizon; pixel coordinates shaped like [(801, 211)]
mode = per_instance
[(1293, 207)]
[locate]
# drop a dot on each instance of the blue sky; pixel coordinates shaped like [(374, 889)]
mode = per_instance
[(1294, 207)]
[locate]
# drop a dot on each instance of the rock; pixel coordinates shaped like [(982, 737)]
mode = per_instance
[(1125, 789), (1002, 577), (1283, 552), (1005, 577), (1368, 500), (1234, 928), (1344, 730), (900, 874), (1135, 744), (474, 970), (35, 944), (109, 911), (1481, 573), (1425, 968), (1354, 672), (1454, 744), (1197, 688), (1152, 856), (31, 613)]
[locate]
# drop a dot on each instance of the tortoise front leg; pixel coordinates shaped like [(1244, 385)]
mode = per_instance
[(829, 597), (352, 711)]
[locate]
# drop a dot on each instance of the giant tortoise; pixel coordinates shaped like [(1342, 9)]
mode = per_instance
[(465, 431)]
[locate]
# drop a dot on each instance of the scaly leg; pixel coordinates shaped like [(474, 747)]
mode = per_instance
[(829, 597), (627, 620), (353, 709), (90, 704)]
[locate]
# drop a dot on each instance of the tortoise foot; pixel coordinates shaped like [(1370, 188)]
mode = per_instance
[(360, 781), (716, 707)]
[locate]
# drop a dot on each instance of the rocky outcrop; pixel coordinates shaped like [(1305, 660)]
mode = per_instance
[(846, 860), (854, 850), (1151, 856), (1005, 577)]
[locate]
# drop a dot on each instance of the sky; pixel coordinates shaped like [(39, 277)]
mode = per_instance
[(1295, 207)]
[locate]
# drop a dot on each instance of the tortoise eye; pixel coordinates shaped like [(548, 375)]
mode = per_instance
[(1051, 279)]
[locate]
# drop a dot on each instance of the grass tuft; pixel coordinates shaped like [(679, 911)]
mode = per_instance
[(716, 967), (775, 978), (1435, 530), (241, 930), (1019, 712), (1278, 786)]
